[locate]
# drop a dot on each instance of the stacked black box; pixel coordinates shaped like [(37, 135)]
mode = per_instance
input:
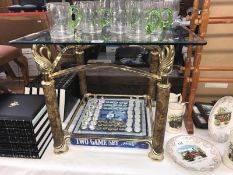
[(67, 89), (24, 126)]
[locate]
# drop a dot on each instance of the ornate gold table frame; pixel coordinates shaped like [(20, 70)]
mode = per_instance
[(162, 58)]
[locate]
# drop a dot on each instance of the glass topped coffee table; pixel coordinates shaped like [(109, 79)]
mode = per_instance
[(162, 57)]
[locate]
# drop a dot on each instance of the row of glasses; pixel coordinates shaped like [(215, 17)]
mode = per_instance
[(150, 17), (137, 18)]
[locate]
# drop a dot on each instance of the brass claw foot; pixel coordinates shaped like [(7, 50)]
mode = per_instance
[(61, 149), (156, 156)]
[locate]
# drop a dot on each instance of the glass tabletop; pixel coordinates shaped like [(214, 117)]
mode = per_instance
[(172, 36)]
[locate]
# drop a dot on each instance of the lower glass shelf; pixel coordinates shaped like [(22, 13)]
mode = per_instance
[(112, 121)]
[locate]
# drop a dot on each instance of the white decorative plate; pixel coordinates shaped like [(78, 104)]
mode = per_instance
[(193, 153), (221, 119)]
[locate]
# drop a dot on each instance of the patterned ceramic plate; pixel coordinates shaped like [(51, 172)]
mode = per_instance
[(221, 119), (193, 153)]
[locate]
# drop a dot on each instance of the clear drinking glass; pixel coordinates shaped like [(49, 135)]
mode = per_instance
[(170, 12), (90, 22), (119, 16), (60, 16), (136, 18)]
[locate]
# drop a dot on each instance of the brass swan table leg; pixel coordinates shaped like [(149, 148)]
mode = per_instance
[(166, 56), (79, 55), (42, 55), (60, 145), (154, 64)]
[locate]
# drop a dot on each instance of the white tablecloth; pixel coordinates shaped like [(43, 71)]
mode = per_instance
[(105, 161)]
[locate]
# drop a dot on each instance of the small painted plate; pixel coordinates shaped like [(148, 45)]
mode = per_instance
[(221, 119), (193, 153)]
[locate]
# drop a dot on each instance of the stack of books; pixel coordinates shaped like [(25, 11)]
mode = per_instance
[(67, 89), (25, 131)]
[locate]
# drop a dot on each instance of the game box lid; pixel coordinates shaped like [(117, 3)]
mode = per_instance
[(122, 119)]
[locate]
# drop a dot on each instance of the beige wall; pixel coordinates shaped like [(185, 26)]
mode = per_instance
[(219, 50)]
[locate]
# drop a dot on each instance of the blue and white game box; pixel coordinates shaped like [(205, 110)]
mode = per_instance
[(111, 121)]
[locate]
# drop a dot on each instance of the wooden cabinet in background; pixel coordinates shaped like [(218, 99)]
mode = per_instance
[(4, 4)]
